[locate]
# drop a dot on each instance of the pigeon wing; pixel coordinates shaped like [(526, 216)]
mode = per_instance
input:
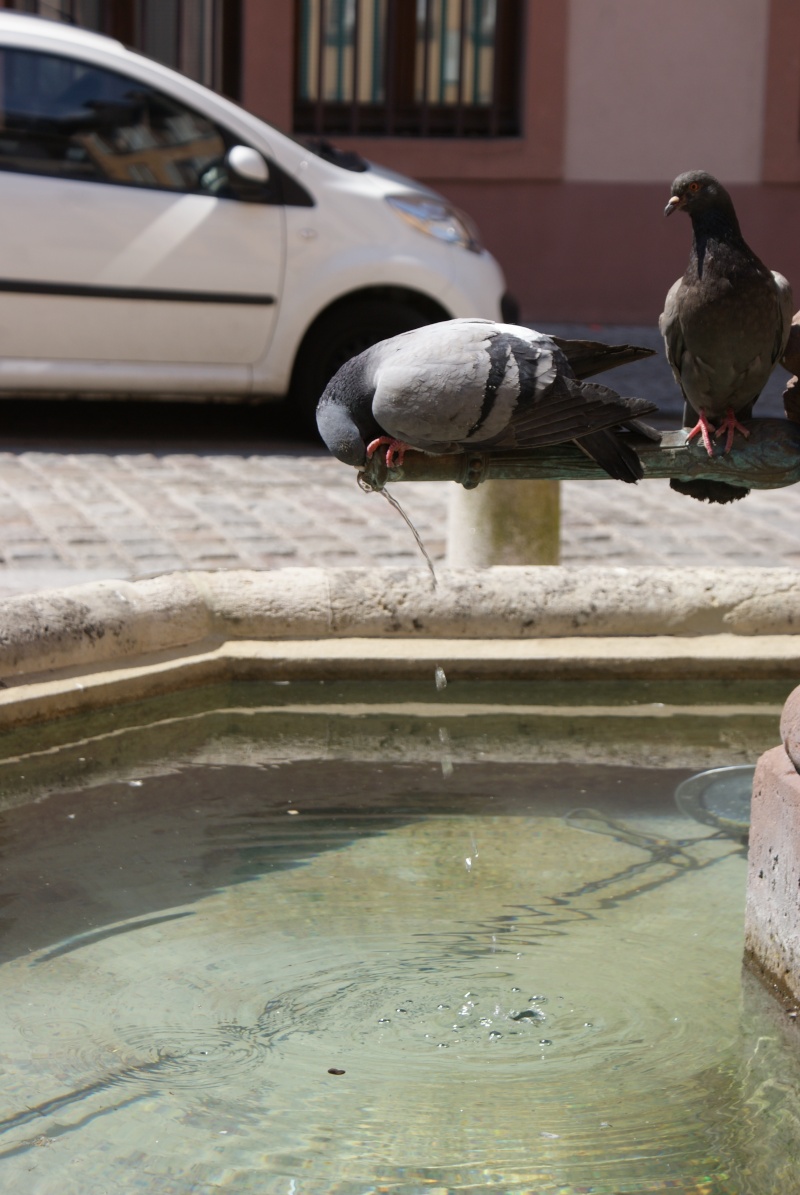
[(669, 325), (461, 383), (786, 308), (568, 410)]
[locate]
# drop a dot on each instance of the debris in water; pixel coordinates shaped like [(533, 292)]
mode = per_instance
[(440, 678), (335, 1070)]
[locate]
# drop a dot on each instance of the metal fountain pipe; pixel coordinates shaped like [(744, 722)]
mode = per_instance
[(769, 459)]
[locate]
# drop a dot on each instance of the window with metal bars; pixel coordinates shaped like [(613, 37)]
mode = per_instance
[(416, 68), (200, 38)]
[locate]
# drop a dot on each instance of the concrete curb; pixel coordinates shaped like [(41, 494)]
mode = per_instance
[(113, 621)]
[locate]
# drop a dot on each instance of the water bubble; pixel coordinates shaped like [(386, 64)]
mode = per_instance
[(494, 1035), (545, 1041), (440, 678)]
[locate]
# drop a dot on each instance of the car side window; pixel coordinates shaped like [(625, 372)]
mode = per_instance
[(73, 120)]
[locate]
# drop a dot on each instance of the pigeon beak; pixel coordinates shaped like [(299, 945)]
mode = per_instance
[(673, 205)]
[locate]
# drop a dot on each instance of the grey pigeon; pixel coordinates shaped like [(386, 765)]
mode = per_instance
[(725, 324), (474, 384)]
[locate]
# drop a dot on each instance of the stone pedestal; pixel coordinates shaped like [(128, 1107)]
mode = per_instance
[(504, 522), (772, 918)]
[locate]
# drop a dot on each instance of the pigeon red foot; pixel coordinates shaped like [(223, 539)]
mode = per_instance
[(729, 426), (702, 428), (395, 452)]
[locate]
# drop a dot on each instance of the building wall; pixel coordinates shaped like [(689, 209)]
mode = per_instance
[(654, 89), (620, 96)]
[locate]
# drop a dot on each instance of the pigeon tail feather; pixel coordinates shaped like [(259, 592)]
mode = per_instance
[(588, 357), (612, 454)]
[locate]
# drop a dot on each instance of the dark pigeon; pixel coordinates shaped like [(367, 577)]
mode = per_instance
[(725, 325), (475, 384)]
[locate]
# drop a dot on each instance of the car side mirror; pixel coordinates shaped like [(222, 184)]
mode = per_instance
[(247, 164)]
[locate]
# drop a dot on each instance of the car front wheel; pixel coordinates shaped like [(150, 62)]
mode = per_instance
[(338, 335)]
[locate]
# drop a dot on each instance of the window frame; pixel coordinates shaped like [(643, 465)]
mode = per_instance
[(406, 45)]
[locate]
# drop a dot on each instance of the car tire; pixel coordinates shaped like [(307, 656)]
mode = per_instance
[(337, 336)]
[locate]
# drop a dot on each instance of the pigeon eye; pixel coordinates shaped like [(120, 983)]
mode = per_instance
[(694, 186)]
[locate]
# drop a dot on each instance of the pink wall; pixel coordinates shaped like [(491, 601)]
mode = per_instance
[(604, 252)]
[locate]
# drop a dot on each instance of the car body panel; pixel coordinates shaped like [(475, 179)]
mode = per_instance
[(107, 287)]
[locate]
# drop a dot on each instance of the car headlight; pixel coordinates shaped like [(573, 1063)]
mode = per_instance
[(437, 219)]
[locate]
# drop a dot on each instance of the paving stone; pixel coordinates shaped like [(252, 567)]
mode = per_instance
[(129, 514)]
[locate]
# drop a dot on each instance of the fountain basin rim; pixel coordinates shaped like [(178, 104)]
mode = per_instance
[(53, 694), (111, 621)]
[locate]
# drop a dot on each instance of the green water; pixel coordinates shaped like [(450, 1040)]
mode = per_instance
[(483, 907)]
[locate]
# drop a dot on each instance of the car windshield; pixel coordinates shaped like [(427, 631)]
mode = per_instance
[(71, 118)]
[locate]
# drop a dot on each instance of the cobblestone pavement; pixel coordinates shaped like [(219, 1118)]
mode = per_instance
[(70, 516)]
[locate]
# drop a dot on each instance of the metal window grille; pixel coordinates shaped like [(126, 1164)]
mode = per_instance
[(201, 38), (430, 68)]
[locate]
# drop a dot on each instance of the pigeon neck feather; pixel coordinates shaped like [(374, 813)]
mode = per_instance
[(714, 226)]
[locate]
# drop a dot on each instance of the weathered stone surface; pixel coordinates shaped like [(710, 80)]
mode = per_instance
[(105, 620), (108, 621), (772, 918)]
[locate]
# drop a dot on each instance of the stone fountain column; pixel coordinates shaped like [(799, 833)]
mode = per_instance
[(772, 918), (503, 522)]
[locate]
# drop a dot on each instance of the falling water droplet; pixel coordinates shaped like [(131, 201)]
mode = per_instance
[(440, 678), (447, 761)]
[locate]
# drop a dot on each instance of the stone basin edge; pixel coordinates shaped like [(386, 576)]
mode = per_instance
[(64, 650), (112, 621)]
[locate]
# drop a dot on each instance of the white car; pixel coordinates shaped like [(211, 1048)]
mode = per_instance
[(157, 240)]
